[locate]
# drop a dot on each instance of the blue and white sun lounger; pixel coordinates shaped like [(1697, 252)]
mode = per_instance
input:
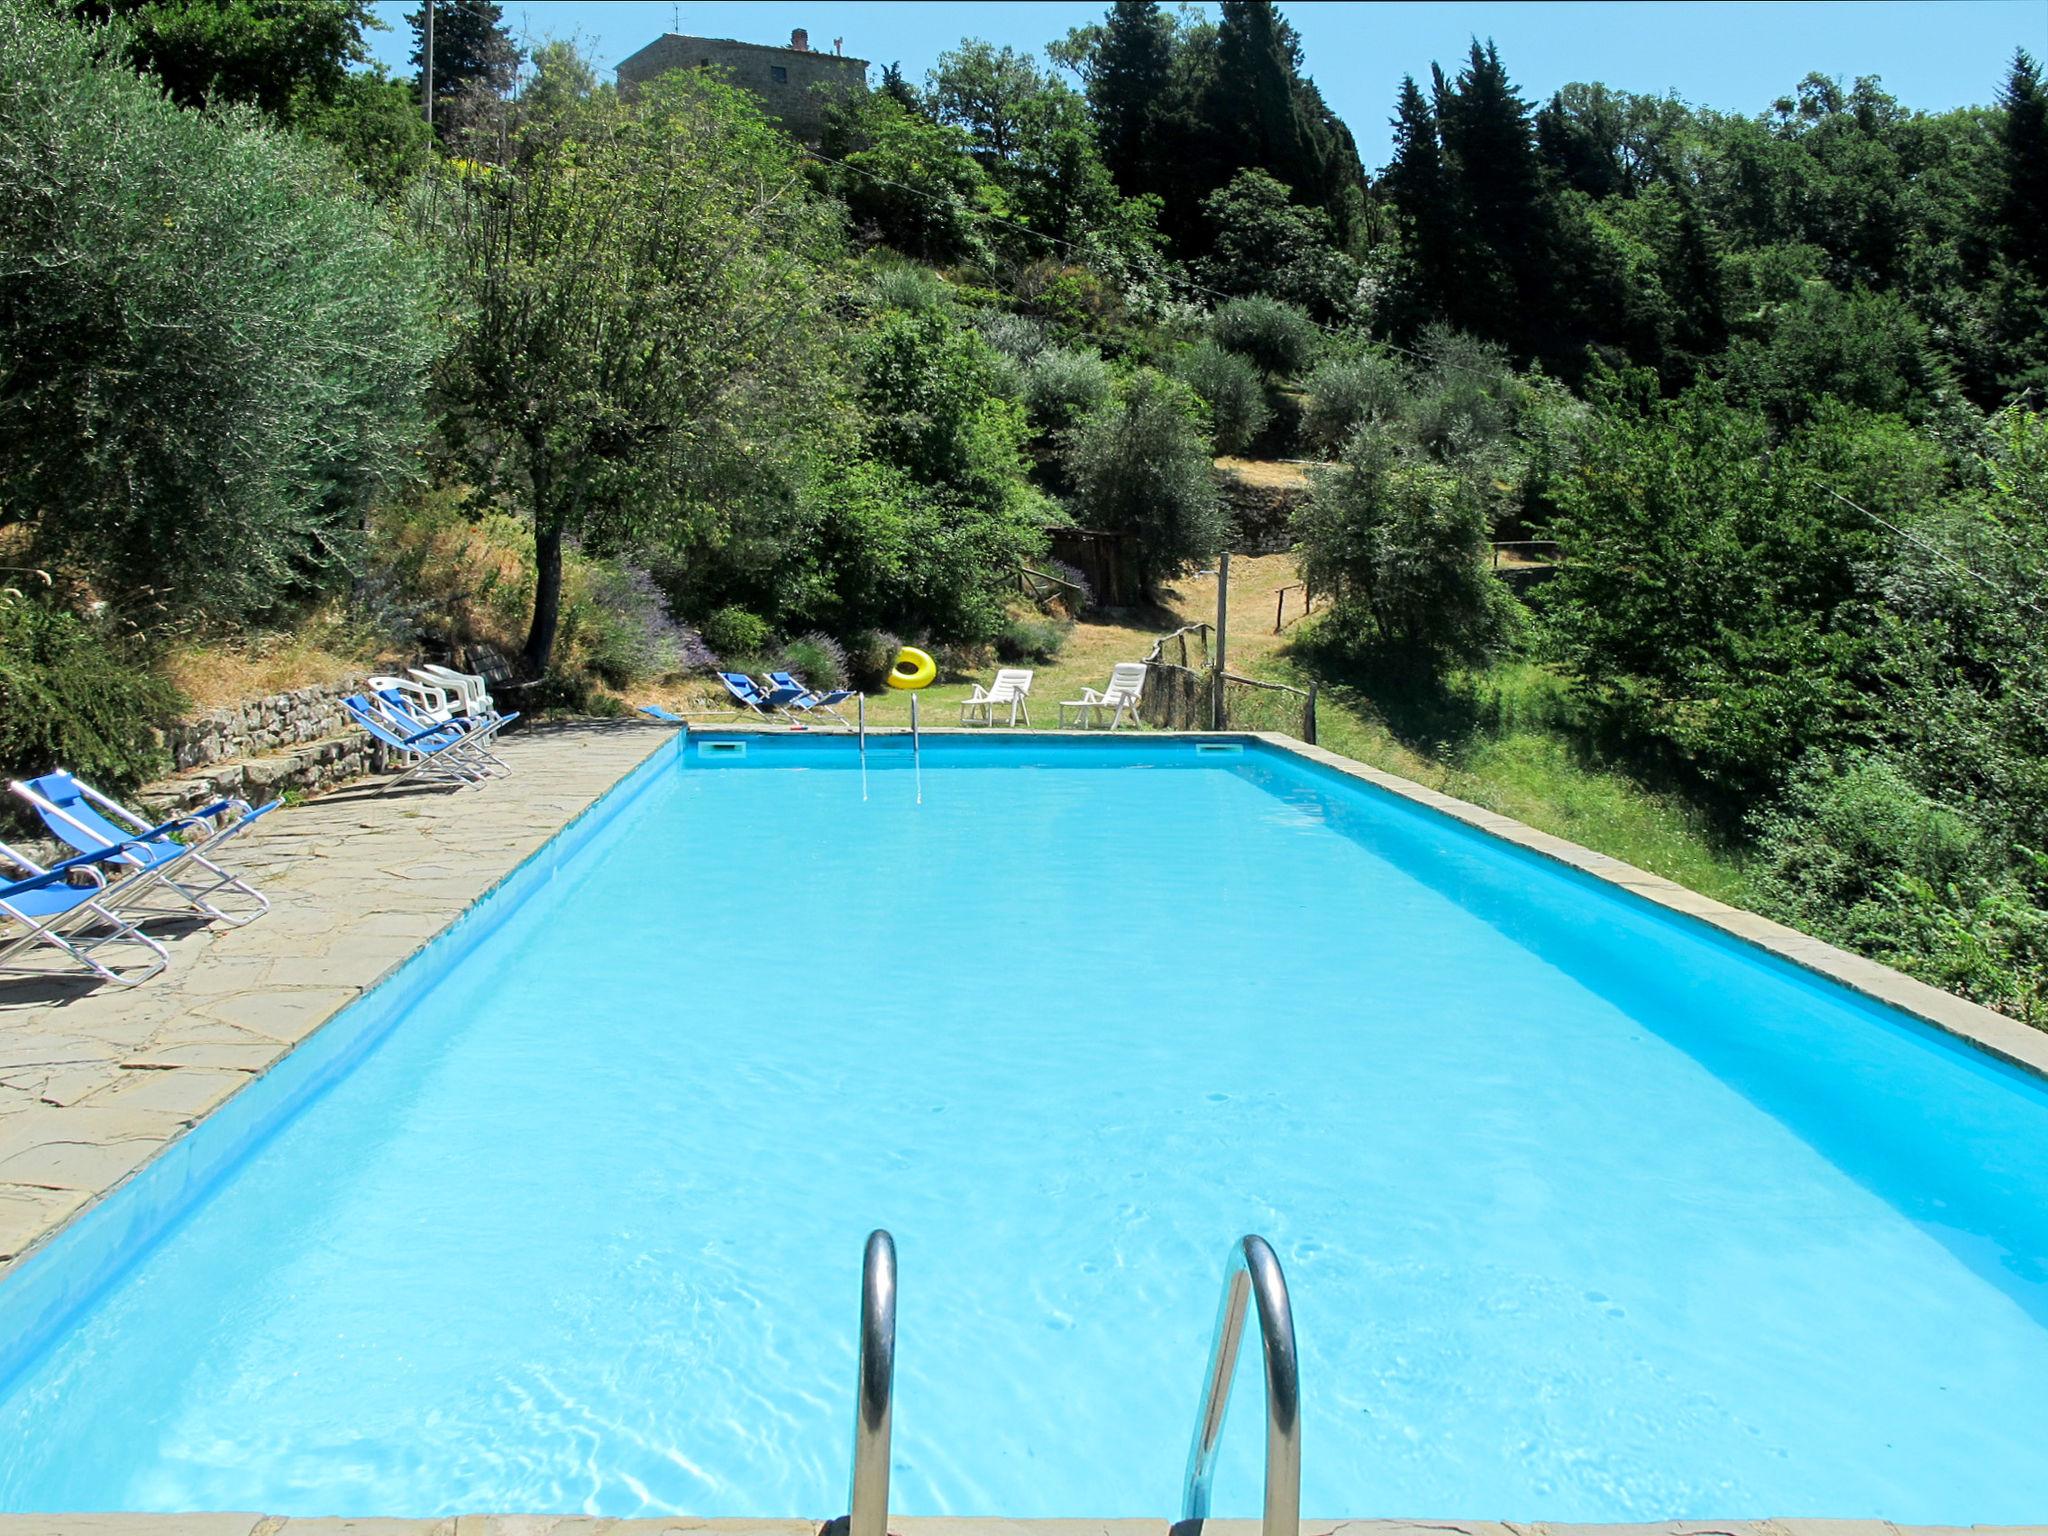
[(433, 754), (748, 692), (83, 818), (806, 700), (472, 734), (44, 907)]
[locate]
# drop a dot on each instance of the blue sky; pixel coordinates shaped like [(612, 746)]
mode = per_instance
[(1738, 55)]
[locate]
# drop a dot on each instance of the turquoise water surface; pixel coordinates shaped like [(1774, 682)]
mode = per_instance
[(1588, 1214)]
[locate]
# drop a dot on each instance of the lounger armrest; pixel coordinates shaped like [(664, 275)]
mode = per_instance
[(90, 861)]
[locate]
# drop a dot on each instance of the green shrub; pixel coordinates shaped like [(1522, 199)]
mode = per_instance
[(961, 659), (1232, 389), (74, 695), (1856, 854), (1063, 385), (1280, 340), (868, 658), (733, 633), (1028, 639), (818, 661), (1345, 393)]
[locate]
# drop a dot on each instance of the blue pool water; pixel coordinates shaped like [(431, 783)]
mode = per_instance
[(1588, 1214)]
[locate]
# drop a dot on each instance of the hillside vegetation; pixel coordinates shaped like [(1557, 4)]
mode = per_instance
[(626, 386)]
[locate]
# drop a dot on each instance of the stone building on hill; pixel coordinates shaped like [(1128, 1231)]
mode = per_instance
[(795, 84)]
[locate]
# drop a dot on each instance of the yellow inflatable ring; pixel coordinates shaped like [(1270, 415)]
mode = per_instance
[(912, 669)]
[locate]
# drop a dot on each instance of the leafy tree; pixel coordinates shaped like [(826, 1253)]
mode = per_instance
[(986, 92), (269, 54), (907, 182), (375, 124), (561, 78), (1714, 597), (1346, 392), (1140, 465), (211, 360), (641, 290), (473, 51), (1062, 385), (933, 410), (1267, 243), (1400, 545)]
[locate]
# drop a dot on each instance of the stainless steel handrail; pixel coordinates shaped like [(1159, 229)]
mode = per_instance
[(874, 1401), (1254, 1276)]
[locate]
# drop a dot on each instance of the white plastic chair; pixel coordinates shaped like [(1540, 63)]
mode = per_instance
[(1120, 698), (1012, 687), (426, 699), (470, 692)]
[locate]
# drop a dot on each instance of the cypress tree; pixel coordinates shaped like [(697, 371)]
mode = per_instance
[(1502, 285), (1414, 183), (471, 46), (1127, 91), (2023, 155)]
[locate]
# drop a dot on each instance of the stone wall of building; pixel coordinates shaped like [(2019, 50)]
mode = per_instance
[(795, 85)]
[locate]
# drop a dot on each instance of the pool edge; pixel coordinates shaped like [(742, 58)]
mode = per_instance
[(2018, 1045), (245, 1524)]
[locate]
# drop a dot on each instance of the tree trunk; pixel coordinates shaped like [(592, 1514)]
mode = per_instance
[(547, 597)]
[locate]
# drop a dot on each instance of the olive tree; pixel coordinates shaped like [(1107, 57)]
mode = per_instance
[(212, 357), (1141, 465), (641, 286), (1400, 544)]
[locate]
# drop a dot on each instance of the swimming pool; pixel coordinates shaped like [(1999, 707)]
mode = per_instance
[(1588, 1212)]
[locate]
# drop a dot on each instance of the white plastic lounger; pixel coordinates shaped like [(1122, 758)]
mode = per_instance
[(1119, 699), (1012, 687)]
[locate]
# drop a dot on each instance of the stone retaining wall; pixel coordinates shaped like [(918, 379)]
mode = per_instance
[(259, 726)]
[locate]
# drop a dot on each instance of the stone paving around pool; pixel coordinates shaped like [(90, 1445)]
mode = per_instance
[(95, 1080)]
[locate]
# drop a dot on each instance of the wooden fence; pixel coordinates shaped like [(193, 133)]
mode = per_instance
[(1183, 692)]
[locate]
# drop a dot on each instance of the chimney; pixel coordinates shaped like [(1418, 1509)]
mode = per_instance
[(800, 40)]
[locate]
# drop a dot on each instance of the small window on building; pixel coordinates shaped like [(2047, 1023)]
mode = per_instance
[(778, 74)]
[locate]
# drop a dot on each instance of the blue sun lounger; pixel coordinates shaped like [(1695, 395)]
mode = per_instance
[(806, 700), (81, 817), (433, 754), (473, 733), (48, 909), (656, 712), (760, 700)]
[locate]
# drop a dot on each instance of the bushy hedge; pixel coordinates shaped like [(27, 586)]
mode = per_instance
[(74, 694)]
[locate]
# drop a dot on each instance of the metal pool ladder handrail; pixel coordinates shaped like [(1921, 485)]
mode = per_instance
[(874, 1398), (1254, 1276)]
